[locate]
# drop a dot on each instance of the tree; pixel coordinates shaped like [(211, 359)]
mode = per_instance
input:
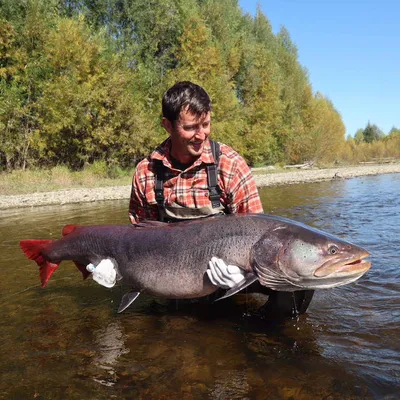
[(372, 133), (326, 139), (200, 60), (82, 80), (359, 136), (296, 96), (394, 132), (13, 141), (21, 75), (262, 30), (225, 20), (89, 109)]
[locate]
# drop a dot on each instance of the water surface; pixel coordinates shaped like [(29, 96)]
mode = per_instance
[(66, 341)]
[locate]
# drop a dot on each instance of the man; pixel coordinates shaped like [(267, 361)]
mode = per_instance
[(176, 181)]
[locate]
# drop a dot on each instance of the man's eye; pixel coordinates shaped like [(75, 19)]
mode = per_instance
[(206, 125)]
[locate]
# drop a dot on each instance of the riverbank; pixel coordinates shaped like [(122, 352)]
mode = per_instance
[(264, 177)]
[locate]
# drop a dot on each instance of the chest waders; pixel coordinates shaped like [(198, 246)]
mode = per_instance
[(175, 212)]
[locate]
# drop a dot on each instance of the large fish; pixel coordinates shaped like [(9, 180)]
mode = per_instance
[(170, 260)]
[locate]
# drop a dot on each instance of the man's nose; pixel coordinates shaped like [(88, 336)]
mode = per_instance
[(201, 133)]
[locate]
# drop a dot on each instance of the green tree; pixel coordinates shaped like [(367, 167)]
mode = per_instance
[(372, 133), (262, 30), (89, 110), (82, 80), (296, 95), (225, 20), (13, 143), (199, 60), (262, 107), (21, 75)]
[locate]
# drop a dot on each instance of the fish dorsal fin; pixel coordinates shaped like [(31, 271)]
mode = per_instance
[(68, 229)]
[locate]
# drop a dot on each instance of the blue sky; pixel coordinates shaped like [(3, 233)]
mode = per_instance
[(351, 49)]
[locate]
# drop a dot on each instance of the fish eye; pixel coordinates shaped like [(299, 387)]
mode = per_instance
[(333, 250)]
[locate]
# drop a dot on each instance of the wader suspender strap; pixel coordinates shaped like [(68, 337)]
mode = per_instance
[(212, 177), (159, 188)]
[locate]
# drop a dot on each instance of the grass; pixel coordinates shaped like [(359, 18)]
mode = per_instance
[(97, 174), (60, 177)]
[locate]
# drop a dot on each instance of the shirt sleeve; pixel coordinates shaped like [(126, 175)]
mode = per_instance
[(242, 190), (139, 208)]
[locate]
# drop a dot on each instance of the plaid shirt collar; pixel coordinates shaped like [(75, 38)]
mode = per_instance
[(163, 153)]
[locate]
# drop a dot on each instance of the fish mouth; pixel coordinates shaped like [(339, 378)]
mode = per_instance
[(357, 265)]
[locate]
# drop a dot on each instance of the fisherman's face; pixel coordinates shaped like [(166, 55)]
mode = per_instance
[(188, 135)]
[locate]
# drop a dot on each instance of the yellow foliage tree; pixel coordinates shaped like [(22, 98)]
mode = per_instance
[(327, 136), (200, 61)]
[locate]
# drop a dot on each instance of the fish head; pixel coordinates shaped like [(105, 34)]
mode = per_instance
[(295, 257)]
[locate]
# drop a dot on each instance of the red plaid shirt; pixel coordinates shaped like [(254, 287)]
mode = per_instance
[(189, 188)]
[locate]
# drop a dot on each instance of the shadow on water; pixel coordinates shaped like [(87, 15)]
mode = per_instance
[(67, 341)]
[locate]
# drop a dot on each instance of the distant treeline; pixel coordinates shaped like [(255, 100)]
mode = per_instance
[(82, 80)]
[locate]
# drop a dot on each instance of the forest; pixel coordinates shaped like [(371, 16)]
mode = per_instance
[(81, 81)]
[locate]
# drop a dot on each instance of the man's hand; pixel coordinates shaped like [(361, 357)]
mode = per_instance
[(223, 275), (104, 273)]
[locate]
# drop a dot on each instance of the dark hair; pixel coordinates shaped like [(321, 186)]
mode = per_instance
[(185, 95)]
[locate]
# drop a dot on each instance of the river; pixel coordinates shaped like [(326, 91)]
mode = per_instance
[(67, 341)]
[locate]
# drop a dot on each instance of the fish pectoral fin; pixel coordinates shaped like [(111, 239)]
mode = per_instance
[(127, 300), (85, 273), (250, 278)]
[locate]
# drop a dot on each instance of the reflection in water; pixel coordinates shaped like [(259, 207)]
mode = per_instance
[(110, 344), (67, 341)]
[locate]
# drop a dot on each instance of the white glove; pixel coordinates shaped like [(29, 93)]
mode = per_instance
[(223, 275), (104, 273)]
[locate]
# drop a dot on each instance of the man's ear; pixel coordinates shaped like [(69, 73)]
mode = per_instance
[(167, 124)]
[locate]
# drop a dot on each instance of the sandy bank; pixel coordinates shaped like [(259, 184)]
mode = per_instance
[(123, 192)]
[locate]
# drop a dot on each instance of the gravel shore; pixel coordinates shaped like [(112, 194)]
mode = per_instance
[(262, 179)]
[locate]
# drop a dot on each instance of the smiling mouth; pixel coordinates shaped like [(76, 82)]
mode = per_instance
[(197, 146), (357, 265)]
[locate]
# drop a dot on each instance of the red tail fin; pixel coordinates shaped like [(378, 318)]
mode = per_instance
[(33, 250)]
